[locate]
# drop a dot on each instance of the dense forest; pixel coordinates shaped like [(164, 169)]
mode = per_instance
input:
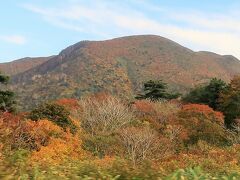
[(158, 135)]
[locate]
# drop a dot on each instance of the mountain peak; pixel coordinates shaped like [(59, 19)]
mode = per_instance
[(120, 66)]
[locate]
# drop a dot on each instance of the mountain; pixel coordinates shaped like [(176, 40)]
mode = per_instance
[(21, 65), (120, 66)]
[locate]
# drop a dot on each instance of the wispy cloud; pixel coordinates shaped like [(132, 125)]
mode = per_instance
[(214, 32), (13, 39)]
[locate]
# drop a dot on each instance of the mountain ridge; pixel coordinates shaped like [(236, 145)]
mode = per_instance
[(21, 65), (120, 66)]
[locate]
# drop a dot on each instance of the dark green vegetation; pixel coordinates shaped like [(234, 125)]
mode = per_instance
[(230, 102), (156, 90), (208, 94), (7, 98), (55, 113), (220, 96)]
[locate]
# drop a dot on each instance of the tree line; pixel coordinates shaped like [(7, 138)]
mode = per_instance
[(217, 94)]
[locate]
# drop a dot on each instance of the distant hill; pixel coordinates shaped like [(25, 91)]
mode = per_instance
[(21, 65), (120, 66)]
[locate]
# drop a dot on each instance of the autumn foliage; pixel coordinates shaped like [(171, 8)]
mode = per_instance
[(200, 122), (118, 139), (203, 110)]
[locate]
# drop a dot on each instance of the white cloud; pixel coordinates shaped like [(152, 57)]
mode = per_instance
[(229, 23), (214, 32), (13, 39)]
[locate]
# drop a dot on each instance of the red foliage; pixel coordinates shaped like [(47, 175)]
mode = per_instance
[(203, 110), (68, 103), (10, 121), (200, 122), (144, 106)]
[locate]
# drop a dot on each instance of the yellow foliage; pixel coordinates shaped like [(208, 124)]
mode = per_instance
[(1, 150), (210, 158), (105, 162), (43, 127), (59, 150), (41, 131)]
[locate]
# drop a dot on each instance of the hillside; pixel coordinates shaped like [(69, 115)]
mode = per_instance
[(21, 65), (120, 66)]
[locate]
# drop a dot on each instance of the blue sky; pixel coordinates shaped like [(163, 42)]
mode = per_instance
[(31, 28)]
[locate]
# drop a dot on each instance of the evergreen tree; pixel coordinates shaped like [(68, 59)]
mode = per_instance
[(156, 90), (230, 102), (208, 94), (7, 98)]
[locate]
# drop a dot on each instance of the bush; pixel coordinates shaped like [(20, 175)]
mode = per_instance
[(102, 145), (58, 150), (198, 173), (104, 116), (200, 122), (55, 113), (140, 143), (158, 113)]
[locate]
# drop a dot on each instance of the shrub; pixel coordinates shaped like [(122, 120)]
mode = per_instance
[(140, 143), (198, 173), (59, 150), (105, 116), (102, 145), (205, 111), (234, 134), (158, 113), (13, 133), (55, 113), (200, 122), (42, 131)]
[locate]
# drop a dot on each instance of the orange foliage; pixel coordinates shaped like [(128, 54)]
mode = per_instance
[(200, 122), (70, 104), (11, 131), (211, 159), (9, 120), (144, 106), (49, 143), (101, 96), (157, 113), (105, 162), (203, 110), (42, 131), (59, 150), (235, 84), (51, 154)]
